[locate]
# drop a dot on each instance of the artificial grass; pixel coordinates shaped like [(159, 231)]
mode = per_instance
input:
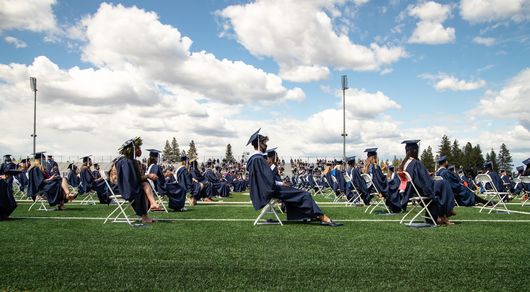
[(52, 255)]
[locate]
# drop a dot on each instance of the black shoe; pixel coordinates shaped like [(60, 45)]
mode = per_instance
[(330, 224)]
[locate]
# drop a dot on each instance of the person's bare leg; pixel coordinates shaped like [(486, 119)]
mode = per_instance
[(150, 196)]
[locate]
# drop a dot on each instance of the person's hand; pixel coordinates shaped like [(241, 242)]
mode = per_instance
[(152, 176)]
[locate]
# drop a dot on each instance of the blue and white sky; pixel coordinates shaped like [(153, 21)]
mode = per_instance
[(215, 71)]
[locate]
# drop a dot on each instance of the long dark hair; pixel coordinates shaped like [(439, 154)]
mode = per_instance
[(411, 151)]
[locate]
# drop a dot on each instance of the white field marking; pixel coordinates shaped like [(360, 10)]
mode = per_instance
[(251, 220), (504, 211)]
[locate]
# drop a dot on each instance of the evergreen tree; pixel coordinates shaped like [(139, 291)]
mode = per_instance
[(175, 150), (228, 155), (167, 153), (505, 159), (477, 160), (493, 159), (467, 156), (445, 148), (192, 151), (457, 154), (428, 159)]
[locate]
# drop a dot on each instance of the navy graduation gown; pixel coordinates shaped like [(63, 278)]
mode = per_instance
[(394, 204), (197, 193), (51, 188), (360, 185), (88, 183), (7, 201), (299, 204), (175, 193), (438, 191), (463, 195), (73, 179), (497, 181), (184, 179), (218, 187), (130, 184), (23, 180)]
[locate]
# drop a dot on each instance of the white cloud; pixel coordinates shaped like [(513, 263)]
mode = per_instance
[(32, 15), (364, 104), (164, 56), (444, 82), (430, 30), (301, 38), (511, 101), (488, 42), (479, 11), (15, 42)]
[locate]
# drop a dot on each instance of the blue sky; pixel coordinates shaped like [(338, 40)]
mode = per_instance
[(416, 69)]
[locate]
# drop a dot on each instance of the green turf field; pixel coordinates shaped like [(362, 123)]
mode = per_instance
[(202, 250)]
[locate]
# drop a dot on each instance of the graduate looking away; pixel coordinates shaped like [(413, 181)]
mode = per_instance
[(299, 204)]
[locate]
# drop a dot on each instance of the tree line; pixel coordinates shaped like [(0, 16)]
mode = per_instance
[(469, 158), (172, 152)]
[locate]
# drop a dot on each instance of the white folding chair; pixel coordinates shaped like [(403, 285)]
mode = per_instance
[(526, 180), (118, 215), (88, 197), (268, 209), (416, 201), (341, 194), (329, 193), (492, 191), (39, 200), (317, 189), (158, 198), (380, 201), (17, 193)]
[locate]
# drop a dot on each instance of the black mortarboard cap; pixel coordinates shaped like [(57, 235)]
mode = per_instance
[(86, 158), (371, 151), (520, 168), (488, 164), (441, 159), (351, 159), (526, 162), (7, 156), (253, 137), (39, 155), (271, 152), (391, 167), (153, 152)]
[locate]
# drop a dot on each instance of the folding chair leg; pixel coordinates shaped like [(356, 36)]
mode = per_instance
[(269, 208)]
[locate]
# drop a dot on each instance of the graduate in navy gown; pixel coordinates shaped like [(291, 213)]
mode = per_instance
[(393, 190), (527, 169), (356, 181), (52, 167), (183, 177), (218, 187), (88, 182), (463, 195), (439, 191), (73, 177), (8, 203), (173, 190), (41, 182), (130, 179), (96, 172), (7, 164), (201, 189), (379, 180), (299, 204), (339, 183), (520, 187), (22, 177)]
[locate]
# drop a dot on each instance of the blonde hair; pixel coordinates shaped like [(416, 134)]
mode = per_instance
[(369, 161)]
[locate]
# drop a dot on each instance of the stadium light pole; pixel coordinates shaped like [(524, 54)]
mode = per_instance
[(344, 83), (33, 84)]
